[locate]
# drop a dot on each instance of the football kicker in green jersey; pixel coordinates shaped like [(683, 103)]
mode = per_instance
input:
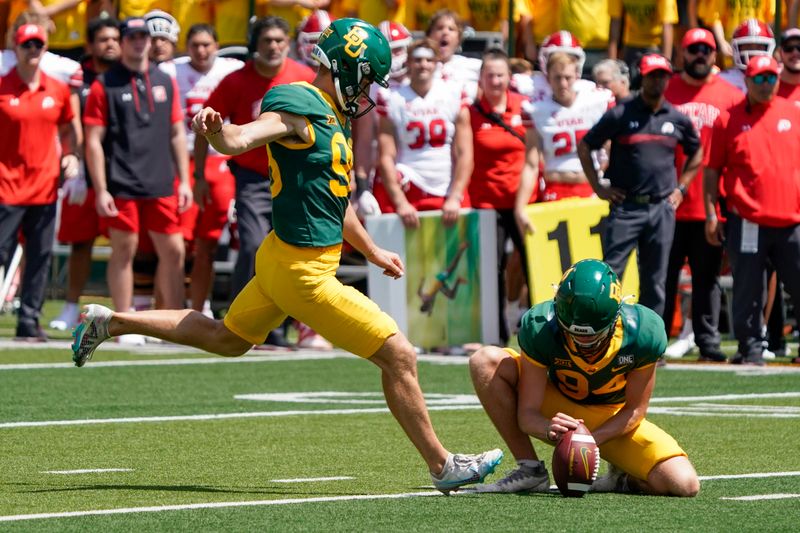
[(310, 182)]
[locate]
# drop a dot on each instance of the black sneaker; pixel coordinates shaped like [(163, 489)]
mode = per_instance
[(753, 360), (713, 355), (27, 333)]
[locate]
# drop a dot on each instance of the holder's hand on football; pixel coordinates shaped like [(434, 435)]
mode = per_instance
[(207, 121), (560, 424)]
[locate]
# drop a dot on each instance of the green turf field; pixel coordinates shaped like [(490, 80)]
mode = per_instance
[(164, 440)]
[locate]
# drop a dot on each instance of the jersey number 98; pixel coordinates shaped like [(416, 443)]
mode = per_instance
[(342, 162)]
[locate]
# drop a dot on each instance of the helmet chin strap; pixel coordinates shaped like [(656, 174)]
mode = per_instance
[(347, 108), (350, 108)]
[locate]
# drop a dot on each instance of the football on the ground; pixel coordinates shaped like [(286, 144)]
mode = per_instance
[(576, 461)]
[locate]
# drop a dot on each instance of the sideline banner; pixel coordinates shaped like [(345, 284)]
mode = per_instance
[(566, 232), (448, 296)]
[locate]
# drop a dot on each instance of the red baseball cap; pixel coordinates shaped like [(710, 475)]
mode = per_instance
[(761, 64), (28, 32), (653, 62), (698, 35)]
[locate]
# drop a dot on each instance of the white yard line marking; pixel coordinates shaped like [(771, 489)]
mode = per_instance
[(214, 505), (725, 397), (222, 416), (445, 403), (762, 497), (251, 357), (258, 356), (295, 501), (749, 476), (88, 471), (359, 398), (254, 358), (310, 479)]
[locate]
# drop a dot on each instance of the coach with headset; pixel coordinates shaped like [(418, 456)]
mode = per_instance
[(238, 99)]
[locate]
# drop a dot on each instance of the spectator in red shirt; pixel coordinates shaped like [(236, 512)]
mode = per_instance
[(789, 87), (134, 139), (502, 145), (757, 143), (238, 99), (34, 110), (701, 95)]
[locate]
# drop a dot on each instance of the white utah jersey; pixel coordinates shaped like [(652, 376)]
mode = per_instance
[(168, 67), (424, 130), (735, 77), (461, 70), (57, 67), (195, 88), (536, 87), (562, 128)]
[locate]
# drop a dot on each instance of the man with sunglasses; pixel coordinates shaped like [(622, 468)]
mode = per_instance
[(701, 95), (757, 142), (645, 188), (35, 109), (789, 87)]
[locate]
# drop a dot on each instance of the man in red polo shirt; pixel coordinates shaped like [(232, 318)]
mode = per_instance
[(789, 87), (701, 95), (34, 109), (238, 99), (758, 144)]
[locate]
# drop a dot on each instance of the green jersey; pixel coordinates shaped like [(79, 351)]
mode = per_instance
[(639, 340), (310, 182)]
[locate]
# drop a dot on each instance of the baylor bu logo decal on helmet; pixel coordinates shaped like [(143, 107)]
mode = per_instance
[(355, 41)]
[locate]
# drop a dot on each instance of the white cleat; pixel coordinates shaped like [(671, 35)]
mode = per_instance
[(461, 469), (524, 479), (680, 347), (90, 333)]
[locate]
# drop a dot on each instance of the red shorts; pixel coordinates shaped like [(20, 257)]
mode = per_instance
[(79, 223), (207, 223), (421, 200), (142, 215), (559, 191)]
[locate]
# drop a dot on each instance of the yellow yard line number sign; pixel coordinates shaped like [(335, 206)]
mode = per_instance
[(568, 231)]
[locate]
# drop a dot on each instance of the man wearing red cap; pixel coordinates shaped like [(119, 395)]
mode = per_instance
[(701, 95), (758, 144), (789, 87), (644, 187), (34, 109)]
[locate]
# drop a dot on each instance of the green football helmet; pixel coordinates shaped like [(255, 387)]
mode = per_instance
[(354, 51), (587, 304)]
